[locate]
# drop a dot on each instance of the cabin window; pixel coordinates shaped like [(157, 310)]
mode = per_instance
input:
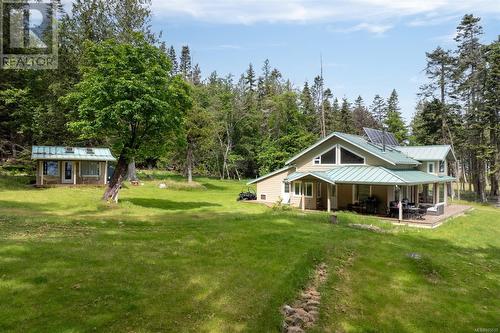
[(297, 188), (89, 169), (430, 167), (50, 168), (329, 157), (308, 190), (318, 190), (263, 197), (348, 157), (441, 166), (287, 187)]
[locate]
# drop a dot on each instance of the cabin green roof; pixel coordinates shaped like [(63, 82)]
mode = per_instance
[(390, 154), (428, 153), (58, 153), (372, 175)]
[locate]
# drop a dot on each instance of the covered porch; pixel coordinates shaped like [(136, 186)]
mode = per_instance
[(370, 190)]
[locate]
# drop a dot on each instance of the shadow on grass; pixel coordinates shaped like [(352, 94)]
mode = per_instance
[(168, 204)]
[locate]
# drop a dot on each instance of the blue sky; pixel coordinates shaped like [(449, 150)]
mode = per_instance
[(368, 46)]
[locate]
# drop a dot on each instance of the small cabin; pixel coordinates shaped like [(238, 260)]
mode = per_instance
[(71, 165)]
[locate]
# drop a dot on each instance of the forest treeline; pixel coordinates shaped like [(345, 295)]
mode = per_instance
[(246, 125)]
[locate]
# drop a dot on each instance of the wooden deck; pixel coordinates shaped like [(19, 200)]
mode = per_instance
[(432, 221)]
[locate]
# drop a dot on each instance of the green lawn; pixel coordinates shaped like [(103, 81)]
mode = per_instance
[(192, 259)]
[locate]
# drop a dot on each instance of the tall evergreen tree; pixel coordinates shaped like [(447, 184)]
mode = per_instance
[(185, 64), (362, 117), (378, 110), (346, 120), (394, 121), (173, 59)]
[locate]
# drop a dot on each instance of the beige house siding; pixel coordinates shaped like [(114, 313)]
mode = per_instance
[(306, 163), (272, 187), (344, 195)]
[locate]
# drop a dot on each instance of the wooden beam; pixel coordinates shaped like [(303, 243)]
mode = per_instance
[(303, 193)]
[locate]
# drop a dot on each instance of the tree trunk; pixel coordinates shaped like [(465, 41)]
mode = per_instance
[(131, 171), (189, 162), (111, 193)]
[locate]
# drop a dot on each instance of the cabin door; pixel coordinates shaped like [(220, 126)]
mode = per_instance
[(67, 172), (286, 193)]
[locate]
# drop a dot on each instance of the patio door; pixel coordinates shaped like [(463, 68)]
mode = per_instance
[(286, 193), (67, 172)]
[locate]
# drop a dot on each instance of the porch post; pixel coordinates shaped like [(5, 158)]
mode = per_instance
[(74, 172), (400, 205), (40, 166), (328, 196), (303, 193), (445, 189), (106, 174), (434, 189), (437, 192)]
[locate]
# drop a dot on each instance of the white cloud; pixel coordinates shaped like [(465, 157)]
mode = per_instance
[(421, 12), (377, 29)]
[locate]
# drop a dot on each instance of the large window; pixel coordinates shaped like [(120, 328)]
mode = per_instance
[(297, 188), (89, 169), (327, 158), (348, 157), (308, 190), (50, 168)]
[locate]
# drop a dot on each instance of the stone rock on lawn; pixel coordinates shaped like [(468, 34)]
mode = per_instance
[(162, 185)]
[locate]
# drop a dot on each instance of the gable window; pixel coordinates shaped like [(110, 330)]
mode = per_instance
[(430, 167), (50, 168), (89, 169), (348, 157), (297, 188), (308, 190), (330, 157), (441, 166)]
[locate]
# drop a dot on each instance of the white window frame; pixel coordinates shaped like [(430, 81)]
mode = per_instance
[(429, 164), (90, 176), (338, 155), (285, 186), (352, 152), (318, 190), (444, 166), (317, 159), (305, 189), (295, 188)]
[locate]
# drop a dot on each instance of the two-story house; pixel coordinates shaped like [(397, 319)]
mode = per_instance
[(342, 170)]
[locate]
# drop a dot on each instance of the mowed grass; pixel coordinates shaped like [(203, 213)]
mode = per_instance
[(192, 259)]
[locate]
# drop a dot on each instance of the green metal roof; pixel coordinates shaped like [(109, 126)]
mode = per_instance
[(71, 153), (427, 153), (390, 155), (372, 175)]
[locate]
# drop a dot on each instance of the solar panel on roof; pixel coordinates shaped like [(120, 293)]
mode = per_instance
[(377, 137)]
